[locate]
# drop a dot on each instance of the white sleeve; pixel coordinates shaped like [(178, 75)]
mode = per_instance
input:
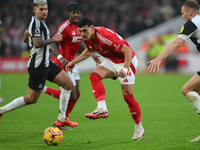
[(183, 36)]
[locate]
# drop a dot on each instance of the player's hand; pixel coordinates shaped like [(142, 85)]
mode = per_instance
[(58, 38), (122, 74), (96, 59), (154, 65), (69, 66), (64, 61)]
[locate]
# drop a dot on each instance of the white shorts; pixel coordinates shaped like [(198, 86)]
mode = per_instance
[(74, 75), (130, 78)]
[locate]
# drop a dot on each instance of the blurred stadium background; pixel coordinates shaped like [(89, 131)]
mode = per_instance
[(148, 26)]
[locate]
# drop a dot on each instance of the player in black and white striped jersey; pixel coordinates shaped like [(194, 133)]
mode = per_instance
[(40, 67), (190, 30)]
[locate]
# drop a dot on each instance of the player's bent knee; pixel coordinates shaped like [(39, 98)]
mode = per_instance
[(184, 91), (30, 100), (68, 85), (95, 77)]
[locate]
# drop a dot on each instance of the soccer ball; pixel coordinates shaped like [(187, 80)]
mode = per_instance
[(52, 136)]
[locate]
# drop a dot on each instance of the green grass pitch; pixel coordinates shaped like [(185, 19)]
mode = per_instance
[(168, 118)]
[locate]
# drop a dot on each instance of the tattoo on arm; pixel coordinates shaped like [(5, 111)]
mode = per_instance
[(38, 42)]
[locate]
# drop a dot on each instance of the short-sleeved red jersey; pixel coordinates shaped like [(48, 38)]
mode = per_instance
[(108, 44), (71, 40)]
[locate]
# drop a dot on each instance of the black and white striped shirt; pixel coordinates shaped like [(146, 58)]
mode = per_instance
[(191, 29), (38, 56)]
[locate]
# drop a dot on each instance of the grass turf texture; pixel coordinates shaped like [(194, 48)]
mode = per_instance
[(169, 120)]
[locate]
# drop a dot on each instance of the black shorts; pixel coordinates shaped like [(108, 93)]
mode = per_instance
[(38, 76)]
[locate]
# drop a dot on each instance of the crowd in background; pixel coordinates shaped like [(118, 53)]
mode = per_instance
[(126, 17)]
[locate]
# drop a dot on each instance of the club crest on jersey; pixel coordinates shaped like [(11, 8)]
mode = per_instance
[(95, 46), (90, 47), (100, 47)]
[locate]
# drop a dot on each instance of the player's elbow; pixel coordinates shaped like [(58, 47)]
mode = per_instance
[(25, 41)]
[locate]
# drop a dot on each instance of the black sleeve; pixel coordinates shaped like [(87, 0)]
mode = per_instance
[(188, 28)]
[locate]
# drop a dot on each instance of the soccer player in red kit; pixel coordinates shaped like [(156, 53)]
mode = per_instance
[(121, 62), (72, 42)]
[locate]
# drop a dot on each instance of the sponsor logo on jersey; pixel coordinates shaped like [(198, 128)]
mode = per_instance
[(95, 46), (76, 39)]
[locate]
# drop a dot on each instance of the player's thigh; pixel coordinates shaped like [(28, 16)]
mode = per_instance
[(192, 85), (127, 89), (104, 72), (62, 79)]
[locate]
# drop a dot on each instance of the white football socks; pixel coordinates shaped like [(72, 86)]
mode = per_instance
[(64, 99), (44, 89), (102, 105), (16, 103), (194, 99), (139, 126)]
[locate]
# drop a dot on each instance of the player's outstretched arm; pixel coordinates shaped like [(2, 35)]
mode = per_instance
[(84, 55), (154, 64), (39, 42)]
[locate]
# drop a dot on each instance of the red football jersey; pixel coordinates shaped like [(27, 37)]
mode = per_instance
[(108, 44), (71, 40)]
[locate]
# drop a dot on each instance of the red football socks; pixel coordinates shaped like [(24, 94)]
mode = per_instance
[(134, 107), (71, 105), (97, 86), (53, 92)]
